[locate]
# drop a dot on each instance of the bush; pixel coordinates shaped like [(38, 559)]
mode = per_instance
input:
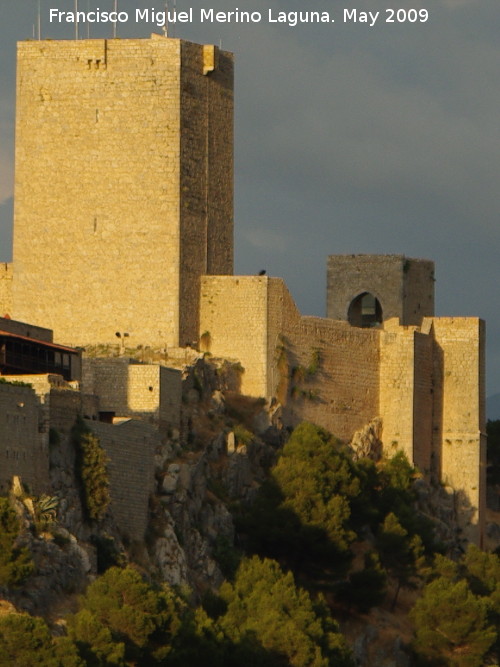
[(16, 563), (122, 615), (91, 471), (25, 641)]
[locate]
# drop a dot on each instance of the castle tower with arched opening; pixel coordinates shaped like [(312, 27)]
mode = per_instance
[(366, 290)]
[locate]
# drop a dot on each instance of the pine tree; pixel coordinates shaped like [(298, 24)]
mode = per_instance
[(451, 624)]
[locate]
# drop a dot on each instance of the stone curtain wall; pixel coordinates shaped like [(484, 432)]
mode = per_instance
[(262, 328), (23, 451), (427, 386), (102, 180), (130, 447), (59, 403), (6, 275)]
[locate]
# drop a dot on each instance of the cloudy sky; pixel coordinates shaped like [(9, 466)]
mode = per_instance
[(349, 139)]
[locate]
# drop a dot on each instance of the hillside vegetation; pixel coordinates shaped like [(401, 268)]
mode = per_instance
[(321, 542)]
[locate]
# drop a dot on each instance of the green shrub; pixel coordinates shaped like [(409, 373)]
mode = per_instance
[(91, 471), (16, 563), (25, 641)]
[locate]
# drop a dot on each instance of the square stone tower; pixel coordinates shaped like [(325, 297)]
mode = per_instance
[(124, 186), (365, 290)]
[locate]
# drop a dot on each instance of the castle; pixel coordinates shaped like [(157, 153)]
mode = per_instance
[(123, 227)]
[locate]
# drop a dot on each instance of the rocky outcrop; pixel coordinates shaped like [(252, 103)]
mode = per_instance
[(228, 442), (62, 564), (366, 443), (192, 517)]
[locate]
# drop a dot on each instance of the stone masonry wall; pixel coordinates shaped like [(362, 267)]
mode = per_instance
[(149, 391), (60, 402), (108, 379), (333, 370), (170, 398), (206, 144), (397, 364), (23, 451), (233, 317), (90, 173), (459, 427), (6, 275), (418, 290), (263, 329), (130, 447), (220, 161), (406, 396), (102, 181)]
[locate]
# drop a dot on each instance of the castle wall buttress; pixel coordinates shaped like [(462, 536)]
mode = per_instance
[(406, 396), (397, 366), (459, 420)]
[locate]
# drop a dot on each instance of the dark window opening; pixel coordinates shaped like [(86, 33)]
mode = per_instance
[(106, 417), (365, 311)]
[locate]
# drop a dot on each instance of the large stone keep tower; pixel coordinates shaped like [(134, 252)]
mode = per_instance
[(124, 186)]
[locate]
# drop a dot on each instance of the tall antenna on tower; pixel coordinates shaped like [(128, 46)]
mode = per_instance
[(175, 18), (39, 22), (165, 25), (76, 21), (115, 9)]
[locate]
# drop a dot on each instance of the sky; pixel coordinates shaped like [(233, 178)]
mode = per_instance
[(349, 139)]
